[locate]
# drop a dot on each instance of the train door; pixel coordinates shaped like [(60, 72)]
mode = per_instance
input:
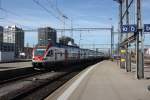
[(60, 55), (66, 55), (50, 55)]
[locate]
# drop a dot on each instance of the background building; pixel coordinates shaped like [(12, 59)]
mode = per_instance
[(46, 35), (6, 52), (1, 33), (13, 34), (28, 52)]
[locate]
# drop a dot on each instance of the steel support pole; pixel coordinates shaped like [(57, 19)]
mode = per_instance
[(128, 62), (122, 64), (139, 52), (121, 21), (112, 41)]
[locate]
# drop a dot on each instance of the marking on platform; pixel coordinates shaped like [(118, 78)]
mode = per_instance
[(72, 87)]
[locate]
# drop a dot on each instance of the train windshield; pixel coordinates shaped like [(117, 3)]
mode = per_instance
[(39, 52)]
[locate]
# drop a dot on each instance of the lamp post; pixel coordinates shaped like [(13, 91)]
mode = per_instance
[(120, 19), (122, 65), (139, 49)]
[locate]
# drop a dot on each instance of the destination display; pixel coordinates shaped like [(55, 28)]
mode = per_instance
[(133, 28)]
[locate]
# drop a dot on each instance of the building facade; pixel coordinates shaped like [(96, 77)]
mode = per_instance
[(46, 35), (1, 33), (15, 35), (28, 52), (7, 52)]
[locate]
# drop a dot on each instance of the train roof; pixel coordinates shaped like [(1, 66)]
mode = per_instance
[(66, 46)]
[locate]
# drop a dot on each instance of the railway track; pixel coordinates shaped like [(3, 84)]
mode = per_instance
[(42, 92), (16, 74), (5, 81), (38, 86)]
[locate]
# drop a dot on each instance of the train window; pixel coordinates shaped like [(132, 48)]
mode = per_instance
[(50, 53), (39, 52)]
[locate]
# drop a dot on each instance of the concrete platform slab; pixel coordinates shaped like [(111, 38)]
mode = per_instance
[(103, 81), (14, 65)]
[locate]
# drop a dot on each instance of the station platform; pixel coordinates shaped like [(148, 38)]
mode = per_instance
[(103, 81), (14, 65)]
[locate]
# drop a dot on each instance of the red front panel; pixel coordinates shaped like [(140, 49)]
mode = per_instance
[(38, 58)]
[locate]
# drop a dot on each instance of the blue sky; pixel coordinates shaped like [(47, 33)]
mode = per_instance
[(84, 13)]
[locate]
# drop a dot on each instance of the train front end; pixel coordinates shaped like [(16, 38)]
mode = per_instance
[(38, 58)]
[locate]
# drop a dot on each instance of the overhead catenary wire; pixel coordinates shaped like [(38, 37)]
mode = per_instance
[(18, 24), (55, 8), (17, 15), (10, 12), (47, 10), (73, 29), (61, 15), (13, 14)]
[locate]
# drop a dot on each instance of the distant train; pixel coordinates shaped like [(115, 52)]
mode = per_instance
[(58, 54)]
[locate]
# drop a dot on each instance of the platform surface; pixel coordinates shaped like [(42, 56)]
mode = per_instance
[(103, 81), (14, 65)]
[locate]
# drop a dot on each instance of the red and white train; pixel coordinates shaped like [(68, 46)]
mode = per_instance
[(48, 56)]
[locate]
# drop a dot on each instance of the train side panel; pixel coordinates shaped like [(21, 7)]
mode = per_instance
[(55, 55)]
